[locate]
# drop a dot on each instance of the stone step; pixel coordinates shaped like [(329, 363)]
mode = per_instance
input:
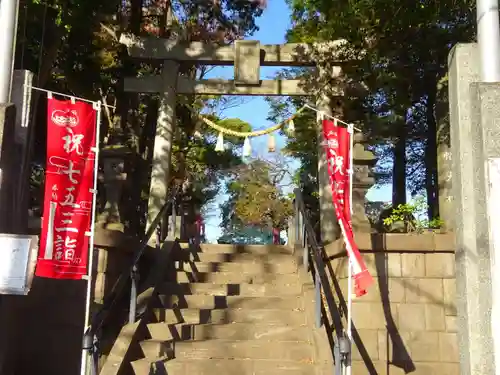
[(244, 289), (237, 367), (153, 349), (175, 316), (240, 331), (266, 315), (238, 249), (234, 278), (201, 301), (248, 349), (147, 366), (160, 332), (233, 257), (288, 266)]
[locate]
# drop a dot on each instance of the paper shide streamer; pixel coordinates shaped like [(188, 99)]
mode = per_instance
[(288, 126)]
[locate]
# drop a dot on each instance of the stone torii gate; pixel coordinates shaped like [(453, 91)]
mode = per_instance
[(247, 56)]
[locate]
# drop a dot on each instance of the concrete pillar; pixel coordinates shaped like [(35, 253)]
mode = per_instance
[(444, 167), (21, 97), (485, 134), (474, 114), (9, 163), (330, 229), (162, 151)]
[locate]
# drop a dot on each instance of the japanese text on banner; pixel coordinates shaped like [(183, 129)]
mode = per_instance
[(337, 148), (69, 180), (337, 151)]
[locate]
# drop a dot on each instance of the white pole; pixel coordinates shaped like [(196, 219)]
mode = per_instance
[(349, 311), (8, 29), (488, 38), (85, 357), (493, 172), (350, 130)]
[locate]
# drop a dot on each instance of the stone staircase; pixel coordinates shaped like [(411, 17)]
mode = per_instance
[(231, 310)]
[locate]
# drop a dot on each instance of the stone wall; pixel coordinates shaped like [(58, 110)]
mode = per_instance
[(113, 256), (406, 323)]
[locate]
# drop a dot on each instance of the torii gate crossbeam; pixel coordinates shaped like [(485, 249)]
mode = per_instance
[(247, 57)]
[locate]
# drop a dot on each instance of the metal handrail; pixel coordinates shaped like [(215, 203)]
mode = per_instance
[(119, 288), (305, 238)]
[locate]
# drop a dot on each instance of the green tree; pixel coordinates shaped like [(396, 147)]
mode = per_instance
[(399, 51), (72, 46), (204, 168), (256, 198)]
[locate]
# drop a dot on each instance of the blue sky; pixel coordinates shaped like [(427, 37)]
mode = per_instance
[(273, 25)]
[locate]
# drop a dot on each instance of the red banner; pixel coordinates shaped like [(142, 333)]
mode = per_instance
[(69, 183), (337, 148)]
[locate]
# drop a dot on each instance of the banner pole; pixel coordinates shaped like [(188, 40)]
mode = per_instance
[(349, 312), (350, 130), (49, 94), (357, 270), (86, 356)]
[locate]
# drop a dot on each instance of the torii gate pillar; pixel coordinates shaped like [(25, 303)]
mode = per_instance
[(162, 150), (330, 230)]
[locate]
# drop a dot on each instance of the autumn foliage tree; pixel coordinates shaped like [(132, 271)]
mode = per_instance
[(257, 198)]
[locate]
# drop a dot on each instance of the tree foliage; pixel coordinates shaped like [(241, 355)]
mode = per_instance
[(398, 49), (257, 198), (72, 47)]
